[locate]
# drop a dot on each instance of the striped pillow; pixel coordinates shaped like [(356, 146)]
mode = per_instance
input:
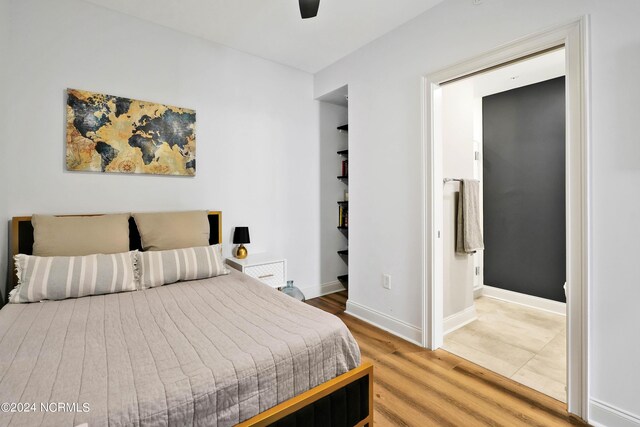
[(56, 278), (159, 268)]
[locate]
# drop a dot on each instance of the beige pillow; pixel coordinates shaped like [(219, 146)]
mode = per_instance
[(80, 235), (172, 230)]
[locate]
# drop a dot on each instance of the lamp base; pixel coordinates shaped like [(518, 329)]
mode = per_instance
[(241, 252)]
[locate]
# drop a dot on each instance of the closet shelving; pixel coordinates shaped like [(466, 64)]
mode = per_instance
[(343, 207)]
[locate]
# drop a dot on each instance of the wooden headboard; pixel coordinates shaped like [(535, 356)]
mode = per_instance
[(22, 238)]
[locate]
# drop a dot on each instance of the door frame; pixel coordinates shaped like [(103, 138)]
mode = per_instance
[(574, 37)]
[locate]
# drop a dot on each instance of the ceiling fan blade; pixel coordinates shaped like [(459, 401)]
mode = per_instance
[(309, 8)]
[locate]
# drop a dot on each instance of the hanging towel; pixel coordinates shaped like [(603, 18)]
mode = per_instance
[(468, 232)]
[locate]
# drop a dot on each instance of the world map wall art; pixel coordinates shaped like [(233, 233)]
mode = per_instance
[(108, 133)]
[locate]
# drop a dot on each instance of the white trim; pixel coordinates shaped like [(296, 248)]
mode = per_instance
[(578, 228), (477, 291), (459, 319), (574, 36), (385, 322), (321, 290), (543, 304), (605, 415)]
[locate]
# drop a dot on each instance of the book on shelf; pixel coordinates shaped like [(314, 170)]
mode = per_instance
[(345, 168), (343, 216)]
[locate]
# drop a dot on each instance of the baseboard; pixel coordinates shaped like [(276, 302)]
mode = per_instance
[(385, 322), (526, 300), (477, 291), (458, 320), (602, 414), (320, 290)]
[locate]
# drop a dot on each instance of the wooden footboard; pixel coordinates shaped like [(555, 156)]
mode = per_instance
[(352, 392)]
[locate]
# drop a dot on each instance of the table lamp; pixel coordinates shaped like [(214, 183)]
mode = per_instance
[(241, 236)]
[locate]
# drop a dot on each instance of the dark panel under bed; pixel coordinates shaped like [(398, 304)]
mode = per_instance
[(344, 407)]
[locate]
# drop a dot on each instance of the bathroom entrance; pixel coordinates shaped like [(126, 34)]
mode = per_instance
[(485, 297), (503, 154)]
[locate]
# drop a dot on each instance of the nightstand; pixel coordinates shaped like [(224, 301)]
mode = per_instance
[(270, 270)]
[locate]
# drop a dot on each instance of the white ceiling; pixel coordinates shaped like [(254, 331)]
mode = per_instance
[(273, 29), (533, 70)]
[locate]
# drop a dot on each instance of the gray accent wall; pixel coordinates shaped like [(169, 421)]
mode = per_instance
[(524, 189)]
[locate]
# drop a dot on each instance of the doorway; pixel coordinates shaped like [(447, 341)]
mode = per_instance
[(504, 305), (572, 38)]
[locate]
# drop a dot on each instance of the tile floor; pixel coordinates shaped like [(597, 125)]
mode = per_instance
[(521, 343)]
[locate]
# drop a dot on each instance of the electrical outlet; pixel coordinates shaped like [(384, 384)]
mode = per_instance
[(386, 281)]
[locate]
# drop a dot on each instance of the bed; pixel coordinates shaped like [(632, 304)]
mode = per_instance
[(221, 351)]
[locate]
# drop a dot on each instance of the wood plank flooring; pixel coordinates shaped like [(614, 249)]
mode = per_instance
[(418, 387)]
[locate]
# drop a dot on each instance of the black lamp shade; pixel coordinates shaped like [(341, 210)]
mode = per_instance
[(241, 235), (309, 8)]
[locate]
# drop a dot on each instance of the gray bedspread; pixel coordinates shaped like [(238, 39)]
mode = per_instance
[(209, 353)]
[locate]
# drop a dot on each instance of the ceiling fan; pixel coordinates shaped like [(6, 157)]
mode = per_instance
[(309, 8)]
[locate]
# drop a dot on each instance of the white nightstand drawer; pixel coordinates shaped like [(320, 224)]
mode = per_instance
[(271, 274)]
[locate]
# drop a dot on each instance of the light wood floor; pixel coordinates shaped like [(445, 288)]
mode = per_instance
[(418, 387)]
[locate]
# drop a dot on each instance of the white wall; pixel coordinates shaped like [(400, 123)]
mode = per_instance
[(457, 162), (257, 126), (385, 138), (331, 190), (4, 157)]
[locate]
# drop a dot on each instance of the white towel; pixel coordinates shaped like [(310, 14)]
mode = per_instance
[(468, 231)]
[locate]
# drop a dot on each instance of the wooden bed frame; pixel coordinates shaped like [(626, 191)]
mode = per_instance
[(289, 407), (355, 385)]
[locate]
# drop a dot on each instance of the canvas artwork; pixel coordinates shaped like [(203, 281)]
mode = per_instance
[(108, 133)]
